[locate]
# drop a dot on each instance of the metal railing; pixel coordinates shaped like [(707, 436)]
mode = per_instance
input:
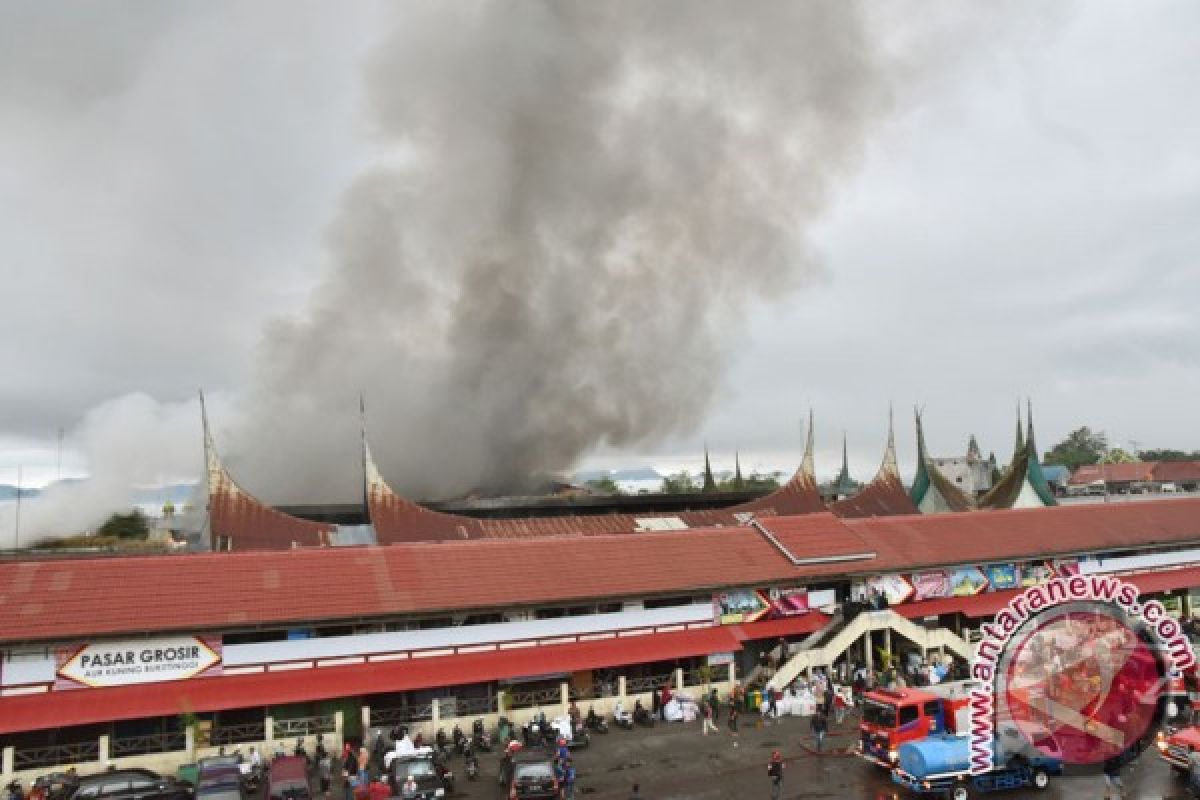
[(149, 743), (400, 715), (701, 676), (238, 734), (648, 683), (534, 697), (582, 692), (56, 755), (469, 707), (304, 726)]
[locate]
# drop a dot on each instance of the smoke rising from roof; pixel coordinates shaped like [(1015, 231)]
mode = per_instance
[(578, 206)]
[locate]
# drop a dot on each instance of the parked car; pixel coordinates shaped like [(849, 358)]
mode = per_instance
[(288, 779), (130, 784), (219, 782), (431, 776), (532, 778)]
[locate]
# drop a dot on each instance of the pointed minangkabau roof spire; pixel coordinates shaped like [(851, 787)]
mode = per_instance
[(710, 485), (808, 463), (844, 484), (931, 490), (890, 465), (738, 482), (212, 464), (1020, 445), (973, 451), (1029, 440)]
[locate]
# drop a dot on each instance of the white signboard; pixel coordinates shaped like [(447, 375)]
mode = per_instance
[(124, 663)]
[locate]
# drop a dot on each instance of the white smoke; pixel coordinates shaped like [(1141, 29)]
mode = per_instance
[(130, 441)]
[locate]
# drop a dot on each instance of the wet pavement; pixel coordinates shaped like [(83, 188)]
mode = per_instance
[(676, 761)]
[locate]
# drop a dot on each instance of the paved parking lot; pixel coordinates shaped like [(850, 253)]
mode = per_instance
[(674, 761)]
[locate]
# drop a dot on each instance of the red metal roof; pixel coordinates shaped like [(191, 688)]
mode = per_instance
[(1177, 471), (883, 497), (787, 626), (81, 707), (1114, 473), (61, 599)]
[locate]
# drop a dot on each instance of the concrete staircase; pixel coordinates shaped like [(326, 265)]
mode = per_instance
[(816, 654)]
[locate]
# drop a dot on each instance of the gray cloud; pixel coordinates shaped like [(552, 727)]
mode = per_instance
[(1023, 224)]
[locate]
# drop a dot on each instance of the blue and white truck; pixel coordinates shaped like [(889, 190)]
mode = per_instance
[(940, 765)]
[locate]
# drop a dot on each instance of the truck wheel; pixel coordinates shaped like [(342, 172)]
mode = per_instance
[(1041, 779)]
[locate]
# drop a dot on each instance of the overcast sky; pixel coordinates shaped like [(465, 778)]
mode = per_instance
[(1022, 223)]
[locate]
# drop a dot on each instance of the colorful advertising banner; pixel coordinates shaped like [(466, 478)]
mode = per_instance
[(966, 581), (1003, 576), (124, 663), (895, 588), (928, 585), (750, 605)]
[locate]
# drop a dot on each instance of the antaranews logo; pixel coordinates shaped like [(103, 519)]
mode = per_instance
[(1074, 671)]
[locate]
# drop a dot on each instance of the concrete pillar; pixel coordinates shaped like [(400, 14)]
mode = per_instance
[(269, 731), (102, 751), (339, 728), (501, 699), (621, 686), (366, 720), (868, 654), (732, 674), (436, 720), (679, 677), (887, 641), (564, 690), (7, 763), (189, 742)]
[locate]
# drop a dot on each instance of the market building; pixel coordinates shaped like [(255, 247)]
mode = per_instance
[(155, 660)]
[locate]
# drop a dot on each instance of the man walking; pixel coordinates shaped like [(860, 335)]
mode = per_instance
[(820, 724), (706, 713), (775, 773)]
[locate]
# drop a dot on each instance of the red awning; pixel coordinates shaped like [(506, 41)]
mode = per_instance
[(802, 624), (1150, 582), (85, 706), (977, 605)]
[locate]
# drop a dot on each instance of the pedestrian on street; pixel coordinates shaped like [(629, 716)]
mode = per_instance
[(325, 771), (569, 780), (715, 702), (733, 719), (637, 793), (349, 770), (364, 768), (706, 714), (820, 724), (1113, 788), (839, 708), (772, 709), (775, 773)]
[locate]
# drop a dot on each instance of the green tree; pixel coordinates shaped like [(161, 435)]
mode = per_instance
[(1168, 455), (1117, 456), (679, 483), (1082, 446), (605, 485), (126, 526)]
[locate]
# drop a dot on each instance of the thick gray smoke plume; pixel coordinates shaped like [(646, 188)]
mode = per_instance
[(580, 202)]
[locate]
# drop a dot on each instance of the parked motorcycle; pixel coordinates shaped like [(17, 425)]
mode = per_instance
[(459, 738), (641, 716), (14, 791), (532, 733), (580, 736), (481, 740), (621, 717), (471, 763), (595, 722), (442, 744)]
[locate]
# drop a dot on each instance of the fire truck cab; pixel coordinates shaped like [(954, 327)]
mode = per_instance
[(892, 717)]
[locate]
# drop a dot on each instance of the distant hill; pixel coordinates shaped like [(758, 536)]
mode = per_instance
[(9, 492)]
